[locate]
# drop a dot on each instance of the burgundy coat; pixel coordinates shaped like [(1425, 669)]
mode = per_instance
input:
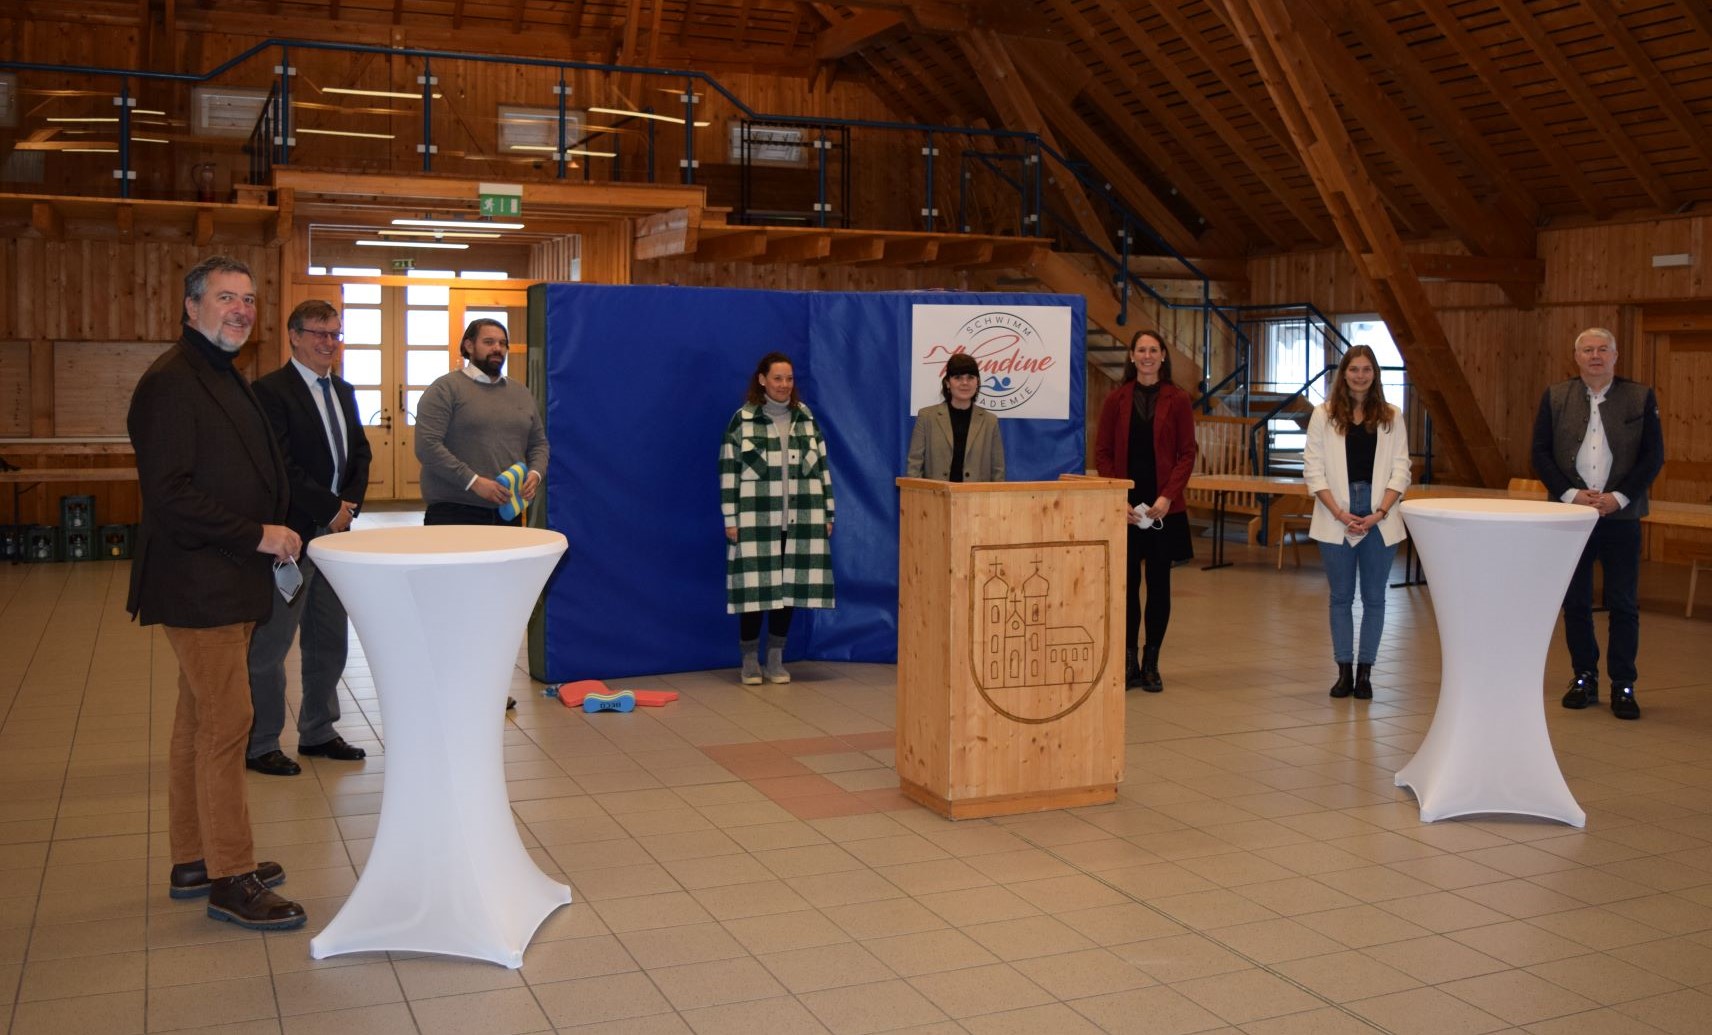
[(1173, 439)]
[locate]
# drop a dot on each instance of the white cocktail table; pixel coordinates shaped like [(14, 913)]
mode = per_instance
[(440, 611), (1498, 570)]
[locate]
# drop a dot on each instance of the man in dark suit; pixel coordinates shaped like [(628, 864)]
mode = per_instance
[(214, 505), (1598, 443), (314, 416)]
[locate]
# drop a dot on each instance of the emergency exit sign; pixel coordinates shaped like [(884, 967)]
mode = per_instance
[(501, 199)]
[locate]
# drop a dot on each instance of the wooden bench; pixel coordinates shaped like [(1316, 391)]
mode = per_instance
[(1222, 444)]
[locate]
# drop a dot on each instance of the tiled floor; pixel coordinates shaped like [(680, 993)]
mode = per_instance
[(1259, 873)]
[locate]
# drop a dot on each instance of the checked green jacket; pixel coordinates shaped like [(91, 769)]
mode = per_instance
[(758, 576)]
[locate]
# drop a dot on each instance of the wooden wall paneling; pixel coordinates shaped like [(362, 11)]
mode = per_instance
[(89, 377), (41, 382), (15, 388)]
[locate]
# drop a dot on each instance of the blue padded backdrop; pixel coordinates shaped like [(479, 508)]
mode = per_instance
[(641, 382)]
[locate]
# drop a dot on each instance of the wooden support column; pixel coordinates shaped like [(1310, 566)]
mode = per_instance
[(1288, 67)]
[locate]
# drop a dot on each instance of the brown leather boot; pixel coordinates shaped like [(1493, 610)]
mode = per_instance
[(246, 901)]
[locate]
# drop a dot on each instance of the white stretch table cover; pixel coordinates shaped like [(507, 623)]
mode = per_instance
[(440, 611), (1498, 571)]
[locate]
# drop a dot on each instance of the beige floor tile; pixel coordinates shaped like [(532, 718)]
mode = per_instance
[(505, 1011), (1077, 975), (1118, 925), (828, 966), (214, 1002), (1597, 928), (695, 985), (979, 905), (1028, 864), (783, 1015), (1027, 937), (342, 988), (652, 1024), (1055, 1018), (1680, 1013), (1203, 910), (978, 990), (861, 1009), (674, 946), (1436, 959), (1346, 976), (81, 976), (1426, 1011), (1273, 941), (1593, 1022), (1361, 926), (1518, 997), (389, 1019), (1681, 959), (1155, 1011), (1442, 911), (1518, 943), (1324, 1021), (1181, 957), (883, 919), (728, 902), (929, 951), (1604, 979), (646, 912), (569, 958), (609, 997), (117, 1013), (782, 932), (844, 889), (1248, 995)]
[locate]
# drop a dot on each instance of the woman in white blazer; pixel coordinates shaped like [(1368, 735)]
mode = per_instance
[(956, 440), (1357, 466)]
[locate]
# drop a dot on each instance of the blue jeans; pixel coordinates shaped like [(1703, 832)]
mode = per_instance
[(1368, 561)]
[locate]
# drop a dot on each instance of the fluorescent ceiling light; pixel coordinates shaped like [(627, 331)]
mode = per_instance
[(146, 111), (645, 115), (150, 140), (89, 150), (344, 133), (457, 224), (532, 147), (414, 244), (374, 93), (434, 234), (97, 118), (591, 154)]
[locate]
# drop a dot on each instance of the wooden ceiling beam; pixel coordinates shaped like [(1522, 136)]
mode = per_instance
[(790, 249), (1017, 110), (928, 15), (1573, 83), (688, 19), (852, 34), (1289, 62), (47, 221), (924, 83), (742, 38), (656, 32), (1488, 72), (125, 218), (1294, 202), (852, 250), (202, 227), (1485, 231), (1700, 15), (576, 19), (740, 246), (1255, 102), (1685, 121), (632, 25), (960, 254), (1090, 144), (458, 14), (398, 12), (1413, 78), (666, 234)]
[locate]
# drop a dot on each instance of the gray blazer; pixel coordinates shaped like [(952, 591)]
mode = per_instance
[(930, 446)]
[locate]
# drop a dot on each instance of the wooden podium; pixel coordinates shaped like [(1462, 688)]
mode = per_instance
[(1010, 665)]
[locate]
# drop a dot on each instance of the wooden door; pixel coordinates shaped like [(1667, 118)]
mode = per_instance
[(1678, 365), (368, 364)]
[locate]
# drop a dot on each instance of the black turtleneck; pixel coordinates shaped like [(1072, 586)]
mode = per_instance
[(959, 437)]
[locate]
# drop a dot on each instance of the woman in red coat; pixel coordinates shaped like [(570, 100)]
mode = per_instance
[(1147, 434)]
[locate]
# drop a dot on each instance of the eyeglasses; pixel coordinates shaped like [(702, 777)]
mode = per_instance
[(1596, 350), (333, 336)]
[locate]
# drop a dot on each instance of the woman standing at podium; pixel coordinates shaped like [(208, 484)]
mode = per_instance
[(1147, 434), (1356, 463), (957, 441), (775, 490)]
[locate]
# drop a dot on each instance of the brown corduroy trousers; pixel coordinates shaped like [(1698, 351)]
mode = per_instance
[(207, 803)]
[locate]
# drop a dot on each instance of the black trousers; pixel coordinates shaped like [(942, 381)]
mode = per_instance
[(1616, 545), (1158, 565), (466, 514)]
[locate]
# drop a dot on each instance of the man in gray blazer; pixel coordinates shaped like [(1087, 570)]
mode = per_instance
[(1598, 443)]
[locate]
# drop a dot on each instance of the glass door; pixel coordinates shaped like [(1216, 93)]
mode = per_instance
[(367, 366)]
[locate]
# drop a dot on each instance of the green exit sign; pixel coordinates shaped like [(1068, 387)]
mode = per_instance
[(500, 199)]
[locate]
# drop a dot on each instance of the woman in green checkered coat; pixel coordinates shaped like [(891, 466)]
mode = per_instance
[(775, 488)]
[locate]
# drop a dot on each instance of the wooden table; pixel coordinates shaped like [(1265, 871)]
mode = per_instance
[(1221, 485)]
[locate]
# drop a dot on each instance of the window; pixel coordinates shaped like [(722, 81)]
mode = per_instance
[(1368, 329), (1295, 353)]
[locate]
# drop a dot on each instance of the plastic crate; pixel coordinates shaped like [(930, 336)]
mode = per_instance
[(114, 542), (41, 544), (77, 513), (80, 546), (11, 543)]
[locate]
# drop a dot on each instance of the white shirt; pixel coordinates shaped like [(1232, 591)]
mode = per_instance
[(313, 379), (1593, 459)]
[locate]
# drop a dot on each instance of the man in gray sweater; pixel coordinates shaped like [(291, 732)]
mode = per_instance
[(471, 425)]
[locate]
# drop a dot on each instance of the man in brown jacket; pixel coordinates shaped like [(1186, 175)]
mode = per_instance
[(214, 506)]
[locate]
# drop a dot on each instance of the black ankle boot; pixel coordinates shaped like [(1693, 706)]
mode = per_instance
[(1345, 684), (1132, 671), (1363, 684), (1150, 681)]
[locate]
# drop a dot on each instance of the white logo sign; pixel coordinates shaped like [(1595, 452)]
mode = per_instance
[(1023, 351)]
